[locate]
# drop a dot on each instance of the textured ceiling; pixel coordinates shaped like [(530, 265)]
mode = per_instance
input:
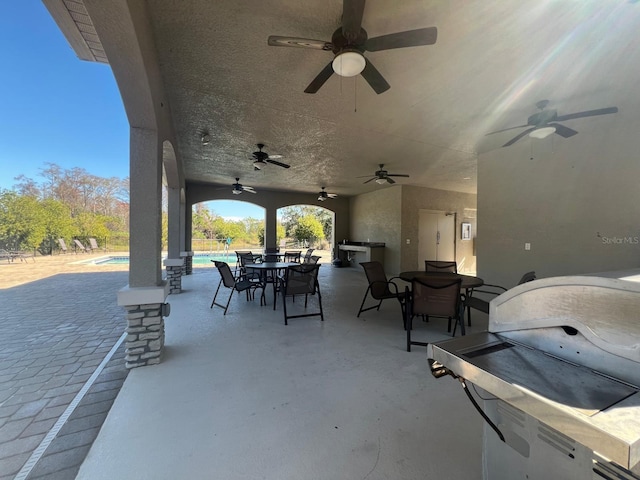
[(491, 63)]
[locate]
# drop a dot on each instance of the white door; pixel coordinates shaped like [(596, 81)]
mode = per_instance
[(436, 237)]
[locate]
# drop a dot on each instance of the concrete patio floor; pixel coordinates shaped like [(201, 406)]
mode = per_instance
[(243, 396)]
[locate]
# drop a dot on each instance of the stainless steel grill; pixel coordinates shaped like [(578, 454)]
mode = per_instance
[(559, 374)]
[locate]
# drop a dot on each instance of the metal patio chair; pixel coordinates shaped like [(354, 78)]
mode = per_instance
[(300, 280), (380, 288), (440, 266), (434, 297), (242, 283)]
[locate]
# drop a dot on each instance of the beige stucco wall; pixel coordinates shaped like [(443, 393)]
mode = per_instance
[(391, 215), (577, 202), (375, 217)]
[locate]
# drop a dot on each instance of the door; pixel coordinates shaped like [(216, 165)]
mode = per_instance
[(436, 237)]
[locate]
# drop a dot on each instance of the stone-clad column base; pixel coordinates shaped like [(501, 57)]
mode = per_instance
[(174, 274), (187, 267), (146, 309), (145, 335)]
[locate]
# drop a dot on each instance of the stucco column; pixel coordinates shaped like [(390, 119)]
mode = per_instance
[(174, 263), (270, 232), (144, 297)]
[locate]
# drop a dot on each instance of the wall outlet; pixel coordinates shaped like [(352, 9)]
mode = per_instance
[(527, 246), (408, 241)]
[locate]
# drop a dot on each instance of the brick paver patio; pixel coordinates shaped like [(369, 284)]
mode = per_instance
[(54, 333)]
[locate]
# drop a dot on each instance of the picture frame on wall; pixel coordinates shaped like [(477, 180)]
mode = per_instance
[(466, 231)]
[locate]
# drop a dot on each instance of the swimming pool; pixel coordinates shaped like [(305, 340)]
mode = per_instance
[(198, 259)]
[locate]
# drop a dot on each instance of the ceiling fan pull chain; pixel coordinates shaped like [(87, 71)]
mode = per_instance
[(355, 95)]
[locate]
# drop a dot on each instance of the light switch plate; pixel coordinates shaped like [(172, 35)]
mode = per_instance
[(527, 246)]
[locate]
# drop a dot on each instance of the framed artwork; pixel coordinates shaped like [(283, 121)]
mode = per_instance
[(466, 231)]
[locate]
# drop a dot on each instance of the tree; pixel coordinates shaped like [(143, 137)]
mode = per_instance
[(22, 221), (308, 229), (58, 223)]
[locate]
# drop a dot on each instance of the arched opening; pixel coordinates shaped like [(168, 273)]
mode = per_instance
[(219, 227), (308, 226)]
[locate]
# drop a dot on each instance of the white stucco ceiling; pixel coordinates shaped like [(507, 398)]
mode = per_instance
[(492, 62)]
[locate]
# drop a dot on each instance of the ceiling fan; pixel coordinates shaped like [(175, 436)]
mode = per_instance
[(382, 176), (262, 159), (238, 188), (323, 195), (348, 44), (544, 123)]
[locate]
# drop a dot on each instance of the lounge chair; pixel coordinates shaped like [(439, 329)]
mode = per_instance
[(5, 255), (80, 246), (63, 245), (94, 245)]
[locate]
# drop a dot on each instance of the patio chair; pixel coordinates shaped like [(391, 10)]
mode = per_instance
[(307, 256), (238, 254), (243, 283), (63, 245), (93, 244), (300, 280), (314, 259), (291, 256), (433, 297), (380, 288), (5, 255), (481, 303), (80, 246), (440, 266)]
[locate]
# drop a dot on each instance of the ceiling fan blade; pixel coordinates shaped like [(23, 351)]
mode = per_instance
[(397, 175), (352, 11), (320, 79), (374, 78), (506, 129), (563, 131), (390, 180), (519, 136), (410, 38), (588, 113), (277, 41), (248, 189), (280, 164), (332, 195), (370, 180)]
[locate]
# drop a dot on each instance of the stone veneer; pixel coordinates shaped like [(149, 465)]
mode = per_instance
[(145, 335), (187, 267), (174, 268)]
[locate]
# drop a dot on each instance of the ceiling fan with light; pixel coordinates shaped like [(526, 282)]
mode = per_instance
[(238, 188), (323, 195), (262, 159), (381, 176), (545, 122), (348, 44)]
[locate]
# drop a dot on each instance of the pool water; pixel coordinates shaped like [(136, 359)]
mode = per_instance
[(198, 259)]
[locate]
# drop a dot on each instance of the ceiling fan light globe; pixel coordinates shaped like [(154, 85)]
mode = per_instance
[(348, 64), (258, 164), (543, 132), (381, 181), (235, 191)]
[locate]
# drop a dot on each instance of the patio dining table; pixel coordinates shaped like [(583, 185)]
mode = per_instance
[(268, 273)]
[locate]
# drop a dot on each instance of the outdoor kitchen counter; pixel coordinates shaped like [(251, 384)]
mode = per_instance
[(353, 253)]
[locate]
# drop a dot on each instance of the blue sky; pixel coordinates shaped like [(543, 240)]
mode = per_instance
[(57, 108)]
